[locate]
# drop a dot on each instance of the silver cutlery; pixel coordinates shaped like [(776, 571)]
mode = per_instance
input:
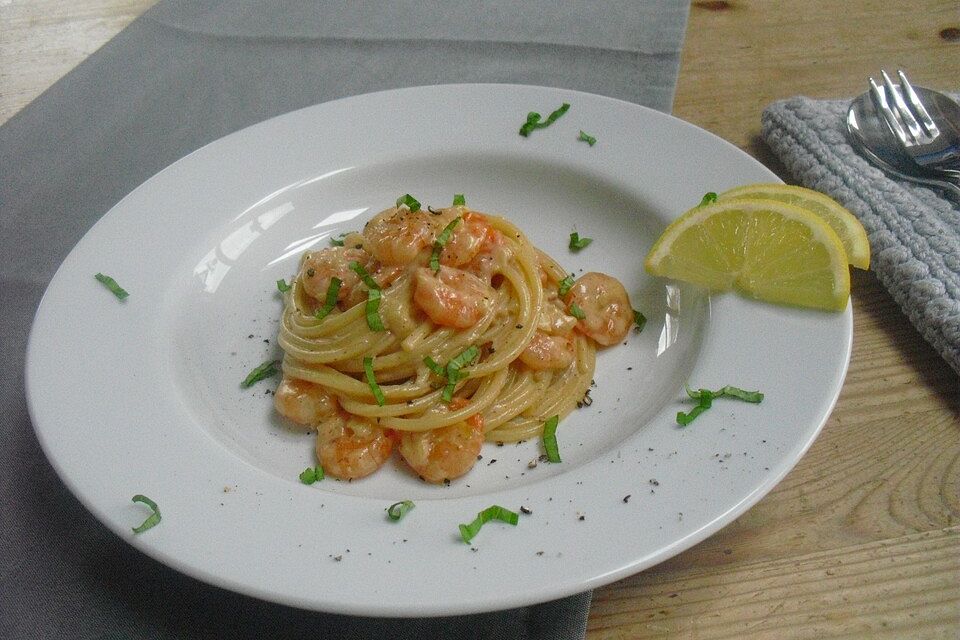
[(925, 122), (871, 137)]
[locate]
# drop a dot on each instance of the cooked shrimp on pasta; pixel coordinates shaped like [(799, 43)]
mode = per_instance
[(432, 331)]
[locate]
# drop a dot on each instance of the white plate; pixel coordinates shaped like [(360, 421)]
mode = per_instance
[(143, 396)]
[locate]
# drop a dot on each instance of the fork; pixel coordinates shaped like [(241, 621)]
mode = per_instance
[(907, 117)]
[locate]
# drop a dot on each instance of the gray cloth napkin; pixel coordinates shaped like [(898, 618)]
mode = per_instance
[(914, 232), (187, 73)]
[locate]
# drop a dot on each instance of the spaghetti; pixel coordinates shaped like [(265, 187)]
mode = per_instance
[(448, 329)]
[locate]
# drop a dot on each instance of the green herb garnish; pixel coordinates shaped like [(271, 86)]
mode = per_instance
[(453, 373), (705, 399), (372, 381), (433, 366), (565, 285), (153, 519), (408, 201), (265, 370), (533, 120), (439, 243), (338, 241), (577, 243), (333, 291), (311, 475), (577, 312), (374, 321), (586, 137), (112, 285), (708, 197), (550, 438), (399, 509), (282, 286), (639, 320), (468, 531), (459, 200)]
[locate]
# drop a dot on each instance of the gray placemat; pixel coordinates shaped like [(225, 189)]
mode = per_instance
[(914, 232), (187, 73)]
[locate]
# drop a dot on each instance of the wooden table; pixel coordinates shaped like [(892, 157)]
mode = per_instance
[(862, 538)]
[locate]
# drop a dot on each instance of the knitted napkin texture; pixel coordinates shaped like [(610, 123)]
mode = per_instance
[(914, 233)]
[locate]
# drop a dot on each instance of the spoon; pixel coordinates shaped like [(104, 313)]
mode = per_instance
[(870, 136)]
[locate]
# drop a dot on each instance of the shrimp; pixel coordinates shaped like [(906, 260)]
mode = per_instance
[(605, 305), (467, 240), (443, 454), (398, 236), (451, 297), (548, 352), (320, 267), (304, 402), (350, 447)]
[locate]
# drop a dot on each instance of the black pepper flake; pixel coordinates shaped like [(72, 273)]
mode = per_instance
[(539, 553), (525, 510), (582, 518), (492, 460), (519, 326), (626, 498), (311, 272), (654, 482), (479, 457), (338, 558)]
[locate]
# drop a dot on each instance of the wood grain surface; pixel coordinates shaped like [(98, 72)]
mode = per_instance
[(862, 539)]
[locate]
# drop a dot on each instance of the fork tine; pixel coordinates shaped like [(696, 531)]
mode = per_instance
[(879, 98), (917, 105), (916, 133)]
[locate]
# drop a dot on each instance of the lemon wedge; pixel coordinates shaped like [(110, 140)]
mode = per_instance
[(765, 249), (846, 225)]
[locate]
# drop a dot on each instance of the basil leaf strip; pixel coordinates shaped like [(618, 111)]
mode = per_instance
[(533, 120), (550, 438), (440, 242), (372, 381), (399, 509), (408, 201), (708, 198), (153, 519), (265, 370), (282, 286), (577, 243), (495, 512), (565, 285), (586, 137), (577, 312), (459, 200), (112, 285), (333, 291)]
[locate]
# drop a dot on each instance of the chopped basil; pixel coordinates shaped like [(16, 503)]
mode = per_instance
[(708, 198), (577, 312), (533, 120), (112, 285), (565, 285), (433, 366), (333, 291), (439, 243), (408, 201), (152, 519), (265, 370), (495, 512), (705, 399), (550, 438), (311, 475), (459, 200), (399, 509), (337, 241), (639, 320), (577, 243), (453, 373), (372, 381), (373, 297), (282, 286), (586, 137)]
